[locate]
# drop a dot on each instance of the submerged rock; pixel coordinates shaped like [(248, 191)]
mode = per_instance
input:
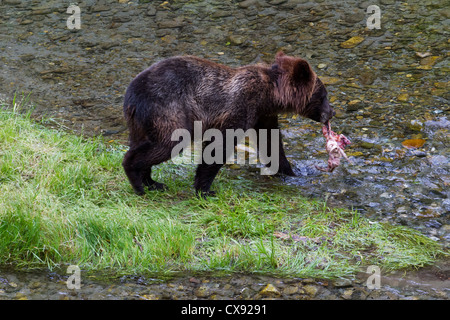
[(442, 123), (352, 42)]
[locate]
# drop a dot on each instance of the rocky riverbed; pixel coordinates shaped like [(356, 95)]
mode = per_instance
[(389, 87), (427, 284)]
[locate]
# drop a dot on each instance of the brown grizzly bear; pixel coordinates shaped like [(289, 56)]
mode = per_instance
[(177, 91)]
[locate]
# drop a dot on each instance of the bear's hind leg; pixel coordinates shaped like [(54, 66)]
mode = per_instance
[(137, 164), (149, 182), (204, 177)]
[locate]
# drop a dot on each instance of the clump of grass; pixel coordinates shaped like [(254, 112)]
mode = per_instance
[(66, 200)]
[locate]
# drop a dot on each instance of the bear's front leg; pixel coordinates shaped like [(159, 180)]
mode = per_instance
[(271, 122)]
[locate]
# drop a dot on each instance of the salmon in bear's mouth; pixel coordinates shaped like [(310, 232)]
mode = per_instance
[(335, 147)]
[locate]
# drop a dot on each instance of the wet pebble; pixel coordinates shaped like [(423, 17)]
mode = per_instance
[(311, 290), (438, 160), (442, 123), (247, 3), (236, 40), (355, 105), (202, 292), (342, 282), (269, 290), (289, 290)]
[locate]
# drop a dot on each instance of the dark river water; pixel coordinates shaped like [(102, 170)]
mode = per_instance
[(389, 87)]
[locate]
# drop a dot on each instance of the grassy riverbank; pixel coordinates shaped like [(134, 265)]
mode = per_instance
[(66, 200)]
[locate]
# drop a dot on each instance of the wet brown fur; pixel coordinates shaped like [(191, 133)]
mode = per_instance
[(177, 91)]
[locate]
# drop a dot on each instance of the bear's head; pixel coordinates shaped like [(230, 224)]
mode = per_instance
[(300, 90)]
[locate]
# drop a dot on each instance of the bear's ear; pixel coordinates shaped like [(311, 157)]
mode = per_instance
[(281, 59), (302, 72), (279, 54)]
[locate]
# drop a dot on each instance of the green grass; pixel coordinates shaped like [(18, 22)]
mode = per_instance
[(66, 200)]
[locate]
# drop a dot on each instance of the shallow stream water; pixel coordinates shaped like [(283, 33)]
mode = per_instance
[(387, 85), (429, 283)]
